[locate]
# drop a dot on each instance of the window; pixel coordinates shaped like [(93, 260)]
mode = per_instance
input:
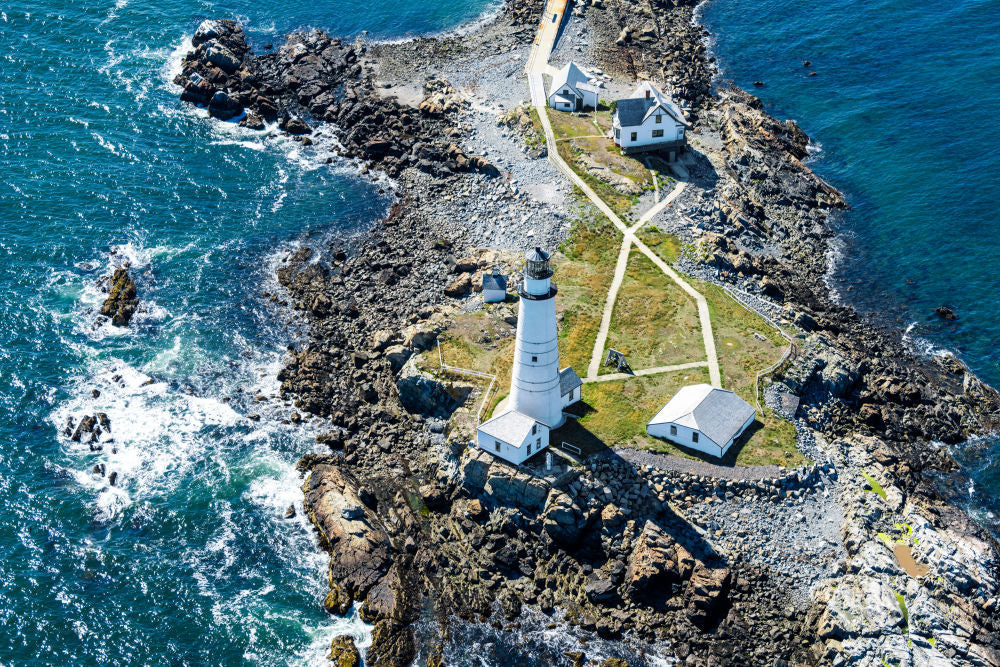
[(680, 133), (694, 437), (529, 448), (657, 133), (634, 136), (538, 441), (534, 429), (618, 133), (498, 445), (565, 92), (673, 430), (534, 359), (659, 118)]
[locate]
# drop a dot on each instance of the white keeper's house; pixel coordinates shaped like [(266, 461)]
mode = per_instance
[(703, 418), (539, 390), (574, 89), (648, 120)]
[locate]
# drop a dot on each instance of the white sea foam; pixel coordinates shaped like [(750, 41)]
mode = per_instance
[(156, 432)]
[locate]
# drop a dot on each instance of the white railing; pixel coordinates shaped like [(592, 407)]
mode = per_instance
[(469, 371), (571, 448), (736, 295)]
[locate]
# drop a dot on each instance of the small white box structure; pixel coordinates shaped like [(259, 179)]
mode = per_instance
[(513, 436), (704, 418), (494, 287), (570, 386)]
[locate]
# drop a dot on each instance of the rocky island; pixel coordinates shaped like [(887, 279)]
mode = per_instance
[(861, 556)]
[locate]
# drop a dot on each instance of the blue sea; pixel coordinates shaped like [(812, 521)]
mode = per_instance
[(188, 559)]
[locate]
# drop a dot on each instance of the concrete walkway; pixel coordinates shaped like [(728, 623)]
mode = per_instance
[(646, 371)]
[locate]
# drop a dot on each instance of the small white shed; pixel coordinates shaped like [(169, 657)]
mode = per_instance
[(494, 287), (704, 418), (570, 386), (513, 436)]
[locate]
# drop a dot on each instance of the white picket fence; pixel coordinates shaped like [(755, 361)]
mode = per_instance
[(469, 371)]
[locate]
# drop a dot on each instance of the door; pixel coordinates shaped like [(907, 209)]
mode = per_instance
[(579, 104)]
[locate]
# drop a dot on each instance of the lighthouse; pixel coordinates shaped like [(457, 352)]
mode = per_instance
[(538, 389), (534, 381)]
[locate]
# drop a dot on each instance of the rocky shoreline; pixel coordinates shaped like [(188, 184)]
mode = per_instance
[(812, 572)]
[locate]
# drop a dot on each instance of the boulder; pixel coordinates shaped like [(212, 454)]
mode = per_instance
[(562, 520), (350, 531), (652, 566), (601, 591), (122, 299), (343, 652), (707, 593), (460, 287), (506, 486), (221, 57), (224, 107)]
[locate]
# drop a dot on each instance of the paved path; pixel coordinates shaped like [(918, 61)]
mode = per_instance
[(545, 40), (597, 356), (659, 206), (646, 371)]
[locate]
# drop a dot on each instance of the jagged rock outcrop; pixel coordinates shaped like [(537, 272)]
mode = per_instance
[(122, 300)]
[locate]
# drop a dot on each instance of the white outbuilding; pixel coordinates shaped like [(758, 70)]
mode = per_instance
[(648, 120), (513, 436), (574, 89), (704, 418), (494, 287)]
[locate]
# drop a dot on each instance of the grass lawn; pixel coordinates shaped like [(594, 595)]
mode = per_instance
[(570, 130), (472, 341), (583, 274), (654, 322)]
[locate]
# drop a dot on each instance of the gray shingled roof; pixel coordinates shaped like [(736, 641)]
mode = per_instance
[(571, 75), (494, 281), (568, 380), (717, 413), (631, 111)]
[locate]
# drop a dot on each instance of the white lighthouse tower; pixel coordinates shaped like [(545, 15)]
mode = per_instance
[(538, 389), (534, 382)]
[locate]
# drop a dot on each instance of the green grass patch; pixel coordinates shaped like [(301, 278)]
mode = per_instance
[(654, 322), (616, 413), (583, 274), (745, 343), (876, 487), (901, 601)]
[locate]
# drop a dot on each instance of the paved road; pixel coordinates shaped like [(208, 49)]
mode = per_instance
[(545, 40)]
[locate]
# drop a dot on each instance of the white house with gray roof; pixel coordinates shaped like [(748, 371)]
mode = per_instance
[(574, 89), (494, 287), (704, 418), (513, 436), (648, 120)]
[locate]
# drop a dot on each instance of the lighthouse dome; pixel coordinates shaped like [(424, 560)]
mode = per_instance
[(536, 264)]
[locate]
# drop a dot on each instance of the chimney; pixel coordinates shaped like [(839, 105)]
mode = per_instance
[(647, 93)]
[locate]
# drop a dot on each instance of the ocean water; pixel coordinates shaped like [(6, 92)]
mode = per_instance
[(188, 560), (901, 114)]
